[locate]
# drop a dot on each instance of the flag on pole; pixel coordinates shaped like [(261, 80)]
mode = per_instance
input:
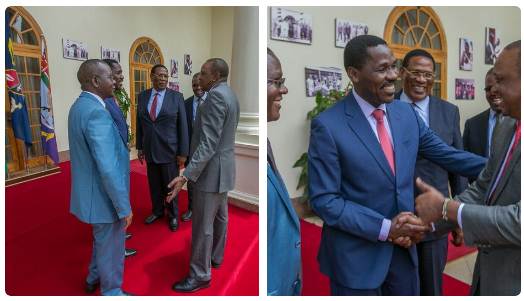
[(19, 115), (46, 117)]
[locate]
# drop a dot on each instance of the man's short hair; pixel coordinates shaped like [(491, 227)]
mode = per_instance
[(490, 71), (111, 62), (158, 66), (417, 52), (356, 51), (196, 75), (87, 70), (515, 45), (220, 66)]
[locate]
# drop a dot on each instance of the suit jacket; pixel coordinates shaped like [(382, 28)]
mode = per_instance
[(166, 137), (99, 164), (212, 165), (118, 118), (495, 230), (283, 240), (353, 189), (444, 121), (476, 134)]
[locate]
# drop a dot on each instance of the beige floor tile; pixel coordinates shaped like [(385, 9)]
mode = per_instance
[(462, 268)]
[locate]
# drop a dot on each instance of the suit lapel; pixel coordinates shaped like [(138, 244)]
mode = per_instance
[(279, 185), (509, 171), (360, 126), (433, 115), (483, 132), (165, 104)]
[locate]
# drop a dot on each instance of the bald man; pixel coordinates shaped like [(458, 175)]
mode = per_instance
[(99, 177)]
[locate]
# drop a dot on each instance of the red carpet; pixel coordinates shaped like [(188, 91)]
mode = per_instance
[(317, 284), (48, 250)]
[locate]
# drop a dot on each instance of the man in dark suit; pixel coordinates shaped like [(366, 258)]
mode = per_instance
[(192, 104), (283, 226), (162, 140), (418, 74), (118, 117), (212, 172), (479, 128), (361, 164), (488, 211)]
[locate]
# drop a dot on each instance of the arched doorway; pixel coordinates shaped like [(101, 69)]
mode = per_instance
[(143, 55), (410, 27), (27, 37)]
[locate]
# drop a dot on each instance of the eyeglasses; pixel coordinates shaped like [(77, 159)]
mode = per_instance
[(417, 74), (279, 83)]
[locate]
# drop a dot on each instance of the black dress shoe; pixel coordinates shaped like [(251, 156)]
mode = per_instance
[(150, 219), (215, 265), (190, 285), (173, 224), (130, 252), (187, 216), (91, 287), (128, 235)]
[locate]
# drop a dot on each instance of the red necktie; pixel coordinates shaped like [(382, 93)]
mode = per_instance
[(152, 111), (384, 138)]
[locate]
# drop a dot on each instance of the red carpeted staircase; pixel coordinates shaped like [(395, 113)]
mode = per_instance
[(317, 284), (48, 250)]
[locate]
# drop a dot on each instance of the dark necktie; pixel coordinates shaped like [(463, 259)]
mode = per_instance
[(152, 111)]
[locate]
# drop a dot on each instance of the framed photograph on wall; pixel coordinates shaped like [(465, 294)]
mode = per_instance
[(173, 71), (291, 26), (464, 88), (466, 54), (493, 46), (74, 50), (323, 80), (188, 64), (346, 30), (173, 85), (108, 53)]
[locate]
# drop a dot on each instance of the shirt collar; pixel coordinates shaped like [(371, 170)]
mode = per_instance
[(366, 107), (422, 104), (203, 96), (492, 114), (100, 100), (160, 93)]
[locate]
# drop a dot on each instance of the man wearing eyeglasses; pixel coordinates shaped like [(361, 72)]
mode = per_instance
[(361, 164), (162, 140), (283, 225), (418, 75)]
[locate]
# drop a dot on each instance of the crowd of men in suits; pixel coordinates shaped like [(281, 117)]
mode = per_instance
[(389, 236), (196, 135)]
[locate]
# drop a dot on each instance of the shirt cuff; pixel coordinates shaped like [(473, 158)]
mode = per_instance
[(433, 229), (384, 230), (459, 215)]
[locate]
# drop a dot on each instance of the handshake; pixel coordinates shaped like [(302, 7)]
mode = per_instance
[(407, 229)]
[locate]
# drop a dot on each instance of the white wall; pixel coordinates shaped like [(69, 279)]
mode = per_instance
[(177, 31), (290, 135)]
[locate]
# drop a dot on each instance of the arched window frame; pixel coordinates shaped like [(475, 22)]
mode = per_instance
[(138, 68), (400, 50)]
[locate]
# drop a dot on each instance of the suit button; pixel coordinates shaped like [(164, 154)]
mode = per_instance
[(297, 244)]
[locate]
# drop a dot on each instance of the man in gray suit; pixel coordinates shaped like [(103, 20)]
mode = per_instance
[(418, 76), (489, 210), (99, 177), (211, 171)]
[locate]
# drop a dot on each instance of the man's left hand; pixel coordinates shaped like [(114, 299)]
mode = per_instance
[(176, 185), (428, 205)]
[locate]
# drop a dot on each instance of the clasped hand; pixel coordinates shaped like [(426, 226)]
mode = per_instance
[(407, 229)]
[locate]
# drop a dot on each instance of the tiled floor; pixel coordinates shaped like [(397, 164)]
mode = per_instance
[(462, 268)]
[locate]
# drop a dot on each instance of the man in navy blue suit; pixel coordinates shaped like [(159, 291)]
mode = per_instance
[(362, 157), (192, 104), (118, 117), (442, 117)]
